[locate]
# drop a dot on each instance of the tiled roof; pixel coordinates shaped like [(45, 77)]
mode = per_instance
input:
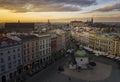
[(27, 37)]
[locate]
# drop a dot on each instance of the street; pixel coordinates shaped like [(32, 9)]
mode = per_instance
[(47, 74)]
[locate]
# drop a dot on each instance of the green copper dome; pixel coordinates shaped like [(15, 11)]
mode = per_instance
[(80, 52)]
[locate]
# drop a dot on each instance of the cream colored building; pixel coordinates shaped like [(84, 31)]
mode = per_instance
[(30, 52), (105, 43), (44, 48), (63, 38)]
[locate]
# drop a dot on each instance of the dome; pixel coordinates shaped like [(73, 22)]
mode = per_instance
[(80, 53)]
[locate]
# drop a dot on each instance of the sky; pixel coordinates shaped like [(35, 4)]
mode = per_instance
[(59, 10)]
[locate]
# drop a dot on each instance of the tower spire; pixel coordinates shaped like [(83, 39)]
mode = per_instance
[(92, 20), (18, 21), (49, 22)]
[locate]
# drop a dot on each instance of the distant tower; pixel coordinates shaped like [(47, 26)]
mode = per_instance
[(49, 22), (92, 21), (18, 21)]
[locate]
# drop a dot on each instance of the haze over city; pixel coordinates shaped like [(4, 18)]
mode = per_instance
[(59, 10), (59, 40)]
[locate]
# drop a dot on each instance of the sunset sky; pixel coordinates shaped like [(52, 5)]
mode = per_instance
[(59, 10)]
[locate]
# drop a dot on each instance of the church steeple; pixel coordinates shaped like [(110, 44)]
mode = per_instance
[(49, 22), (92, 20), (18, 21)]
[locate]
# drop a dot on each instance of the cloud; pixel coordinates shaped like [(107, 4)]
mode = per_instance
[(45, 5), (108, 8)]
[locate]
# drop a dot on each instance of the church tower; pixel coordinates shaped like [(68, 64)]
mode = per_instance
[(49, 22), (92, 20)]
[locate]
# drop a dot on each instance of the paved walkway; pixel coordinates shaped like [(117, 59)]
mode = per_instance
[(103, 69), (100, 72)]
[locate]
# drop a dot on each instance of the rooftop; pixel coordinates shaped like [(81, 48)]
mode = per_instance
[(7, 42), (109, 36), (27, 37)]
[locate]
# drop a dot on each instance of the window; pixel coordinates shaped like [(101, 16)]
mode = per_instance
[(14, 65), (18, 49), (36, 43), (9, 58), (18, 55), (28, 58), (24, 59), (40, 46), (14, 62), (19, 62), (32, 50), (33, 56), (32, 43), (2, 68), (28, 51), (81, 59), (2, 60), (13, 50), (36, 56), (36, 48), (1, 54), (43, 52), (28, 45), (24, 46), (9, 65), (49, 44), (49, 57), (8, 52), (24, 52), (49, 50), (43, 41), (43, 46), (40, 42), (14, 57), (40, 52)]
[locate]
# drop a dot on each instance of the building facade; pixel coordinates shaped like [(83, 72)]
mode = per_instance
[(76, 23), (54, 46), (30, 52), (19, 27), (10, 58), (44, 49), (102, 43)]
